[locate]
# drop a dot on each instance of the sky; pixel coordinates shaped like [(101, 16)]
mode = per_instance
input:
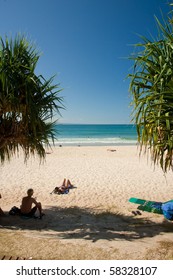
[(86, 44)]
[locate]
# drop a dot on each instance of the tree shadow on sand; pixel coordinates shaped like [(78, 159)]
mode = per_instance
[(81, 223)]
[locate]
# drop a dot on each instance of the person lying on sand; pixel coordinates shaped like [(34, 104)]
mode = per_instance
[(26, 206), (64, 188), (1, 211)]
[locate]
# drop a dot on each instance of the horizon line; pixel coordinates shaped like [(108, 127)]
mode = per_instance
[(95, 123)]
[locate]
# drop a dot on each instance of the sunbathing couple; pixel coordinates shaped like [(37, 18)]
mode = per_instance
[(64, 188)]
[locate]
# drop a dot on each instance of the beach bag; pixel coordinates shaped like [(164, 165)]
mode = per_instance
[(14, 211)]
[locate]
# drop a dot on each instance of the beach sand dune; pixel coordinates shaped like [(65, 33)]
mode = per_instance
[(94, 220)]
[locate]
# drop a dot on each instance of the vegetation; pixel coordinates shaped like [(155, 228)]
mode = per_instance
[(28, 102), (151, 89)]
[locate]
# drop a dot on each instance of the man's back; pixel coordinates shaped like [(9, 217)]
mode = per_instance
[(27, 204)]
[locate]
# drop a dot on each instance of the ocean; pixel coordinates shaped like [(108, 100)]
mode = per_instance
[(95, 134)]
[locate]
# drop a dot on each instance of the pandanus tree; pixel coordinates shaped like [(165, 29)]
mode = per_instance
[(28, 102), (151, 88)]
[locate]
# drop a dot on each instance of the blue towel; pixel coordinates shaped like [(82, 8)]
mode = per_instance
[(167, 208)]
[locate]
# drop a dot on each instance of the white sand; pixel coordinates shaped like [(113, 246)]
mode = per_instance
[(105, 178)]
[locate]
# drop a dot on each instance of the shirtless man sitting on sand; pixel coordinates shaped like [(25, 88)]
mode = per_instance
[(26, 206)]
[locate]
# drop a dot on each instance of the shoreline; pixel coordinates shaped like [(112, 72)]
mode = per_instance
[(95, 134), (92, 144)]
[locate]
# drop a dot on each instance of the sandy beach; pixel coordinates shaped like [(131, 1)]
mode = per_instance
[(94, 220)]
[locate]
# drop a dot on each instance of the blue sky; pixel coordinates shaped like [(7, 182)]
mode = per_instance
[(86, 44)]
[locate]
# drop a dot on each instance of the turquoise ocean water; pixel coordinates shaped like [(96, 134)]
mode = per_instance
[(95, 135)]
